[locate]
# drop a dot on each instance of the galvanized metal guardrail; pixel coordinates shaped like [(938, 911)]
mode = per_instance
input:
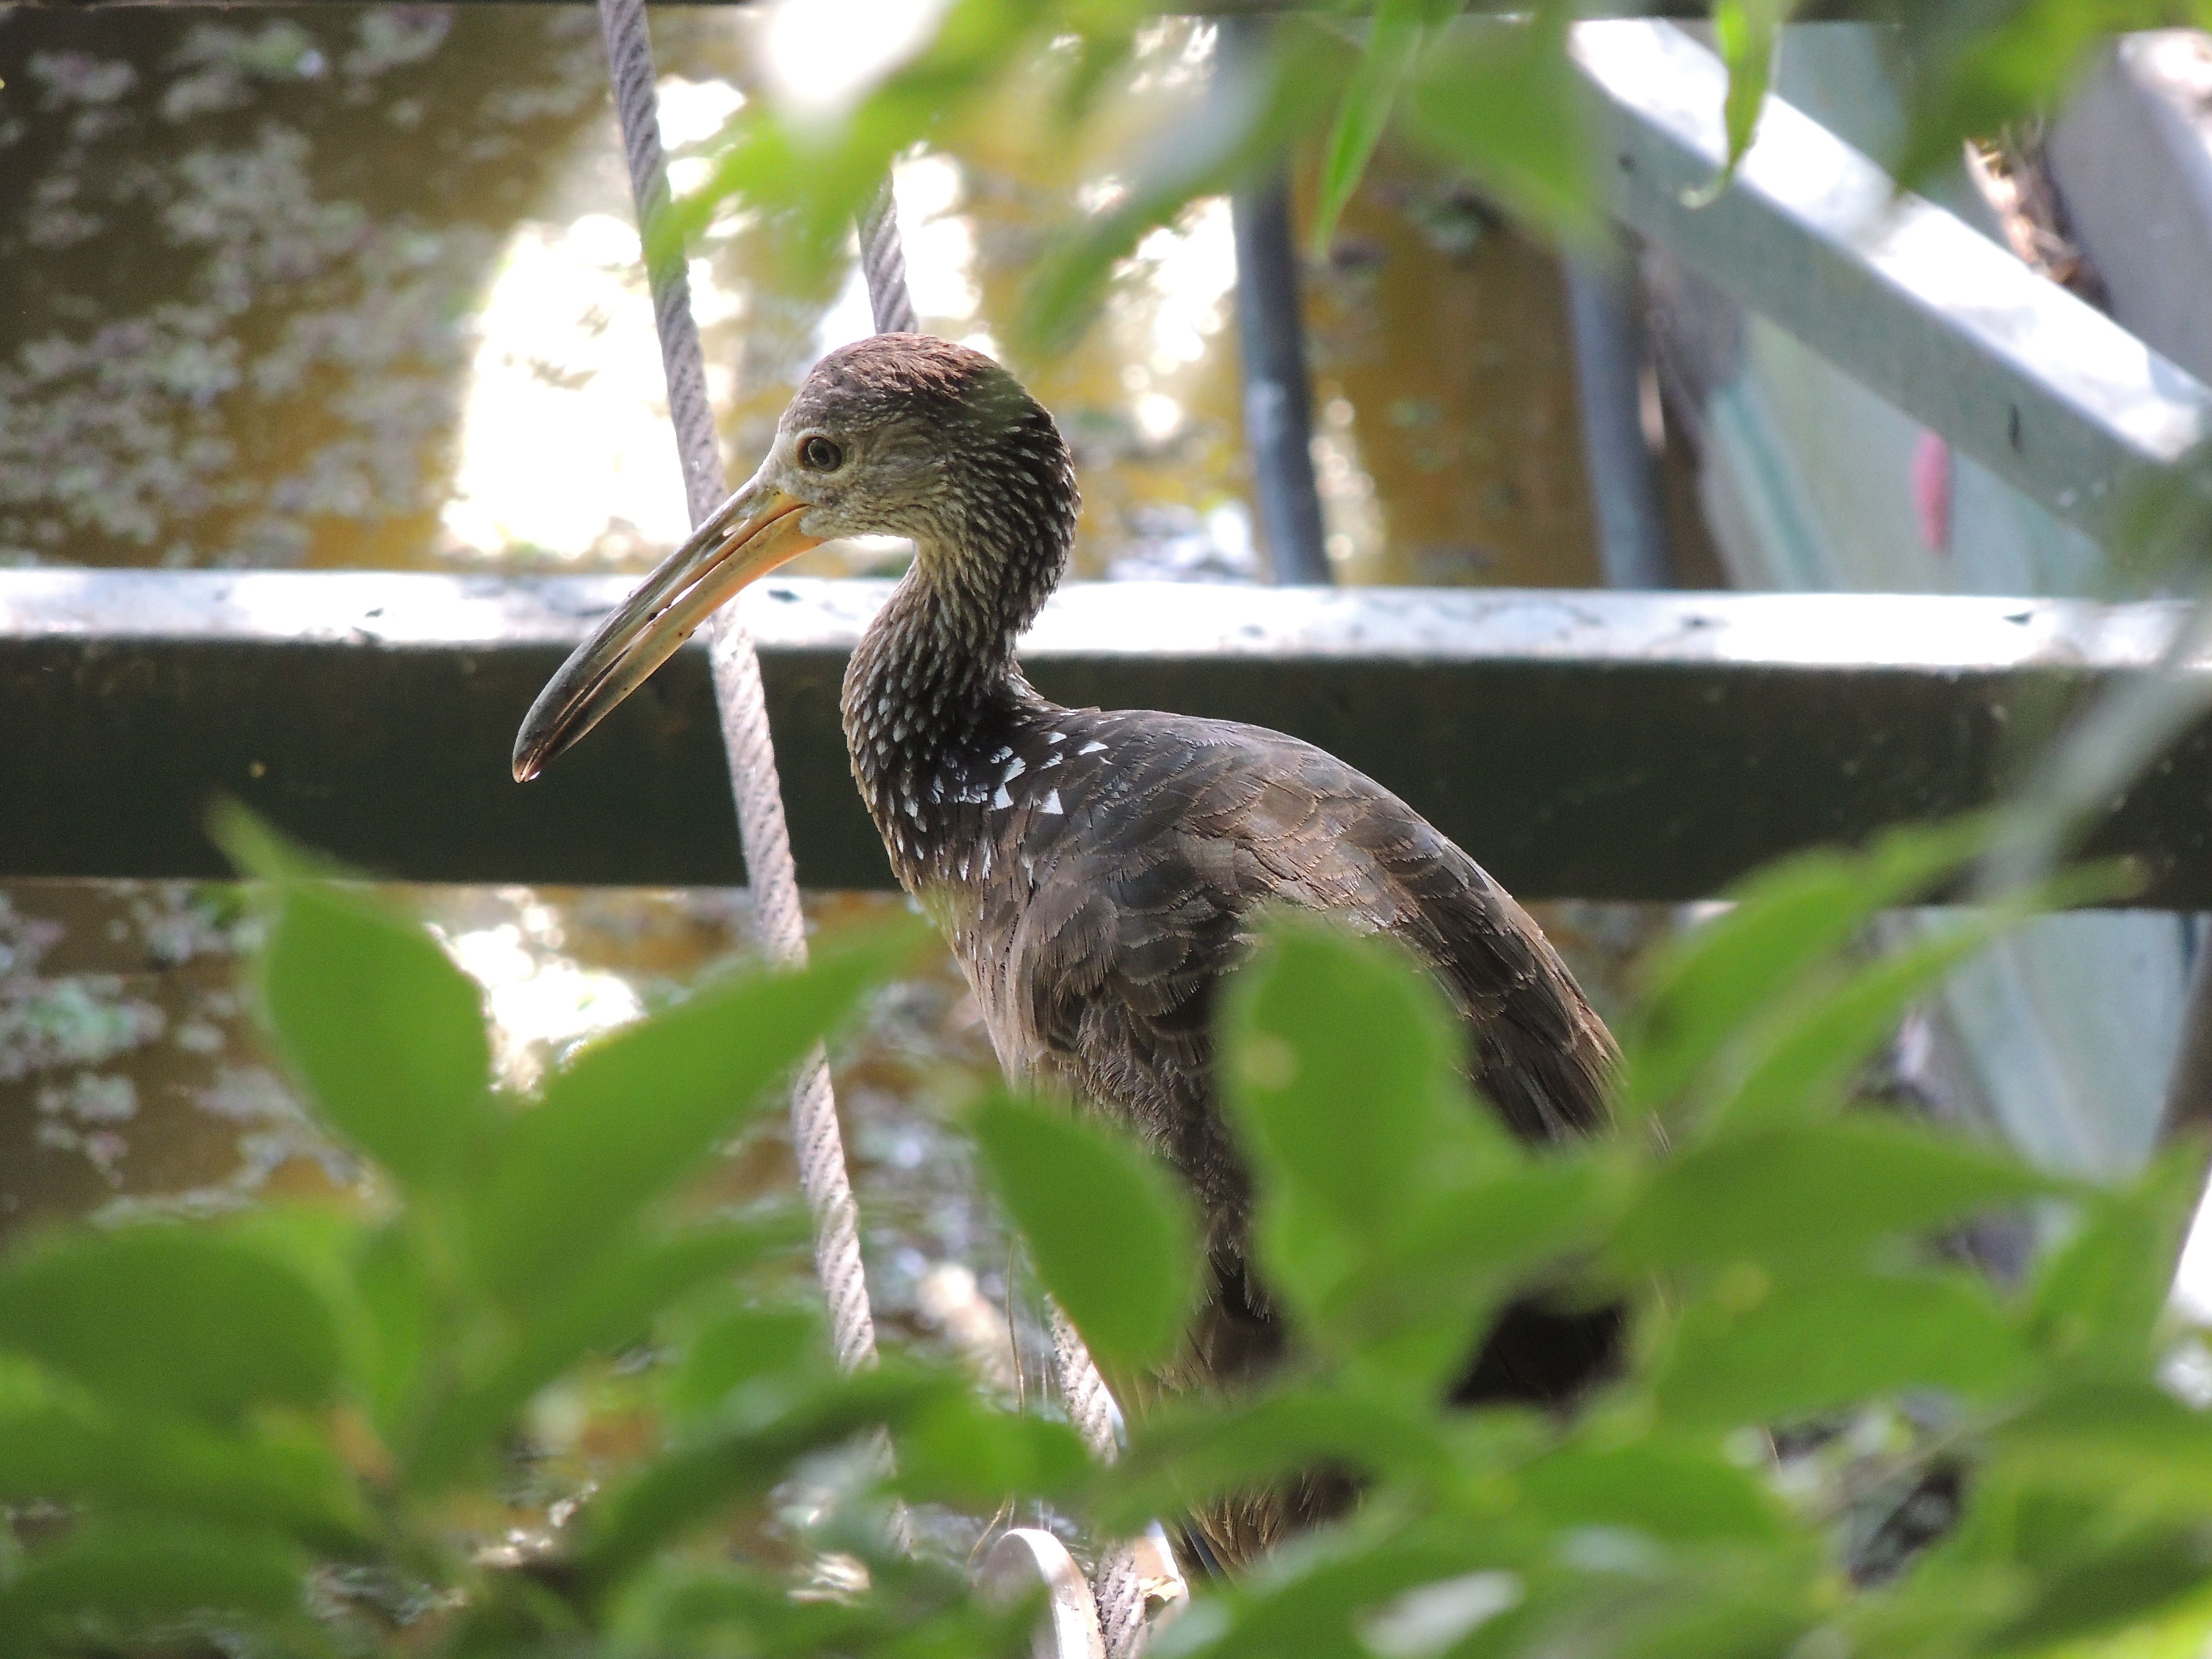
[(1594, 744), (2046, 390)]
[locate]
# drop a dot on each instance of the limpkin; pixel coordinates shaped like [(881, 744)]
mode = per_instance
[(1097, 872)]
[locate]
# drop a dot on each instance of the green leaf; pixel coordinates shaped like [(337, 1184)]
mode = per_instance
[(60, 1445), (1621, 1593), (1803, 1063), (613, 1302), (108, 1581), (1500, 99), (809, 184), (1684, 1491), (682, 1607), (172, 1317), (1803, 1194), (1708, 1604), (385, 1031), (1107, 1228), (1977, 71), (1323, 1600), (1783, 926), (1208, 152), (675, 1604), (1098, 56), (2120, 1442), (1747, 32), (1417, 1305), (1942, 1606), (1798, 1060), (1340, 1065), (914, 1609), (742, 1347), (638, 1111), (2110, 1585), (325, 1244), (257, 848), (399, 1310), (2098, 1299), (1759, 1353), (743, 1455), (1395, 36), (806, 176), (1499, 1229), (958, 1450), (1184, 1452)]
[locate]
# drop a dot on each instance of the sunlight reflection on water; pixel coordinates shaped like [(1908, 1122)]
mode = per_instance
[(822, 55), (564, 438), (563, 448), (541, 1002), (132, 1070)]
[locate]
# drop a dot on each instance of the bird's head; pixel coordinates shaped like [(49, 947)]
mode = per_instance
[(898, 435)]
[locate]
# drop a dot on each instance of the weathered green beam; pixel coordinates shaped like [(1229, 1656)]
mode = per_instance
[(1604, 746)]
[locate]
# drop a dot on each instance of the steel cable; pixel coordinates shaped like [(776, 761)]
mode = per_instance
[(762, 829), (883, 262), (1115, 1583), (777, 921)]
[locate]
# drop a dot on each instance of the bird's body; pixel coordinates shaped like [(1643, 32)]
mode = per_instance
[(1098, 873)]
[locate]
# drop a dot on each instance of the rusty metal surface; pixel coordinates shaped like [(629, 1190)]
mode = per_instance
[(1602, 745)]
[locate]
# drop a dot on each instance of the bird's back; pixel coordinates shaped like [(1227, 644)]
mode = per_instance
[(1118, 861), (1131, 854), (1098, 873), (1129, 857)]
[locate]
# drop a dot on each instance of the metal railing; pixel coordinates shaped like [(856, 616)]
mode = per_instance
[(1592, 744)]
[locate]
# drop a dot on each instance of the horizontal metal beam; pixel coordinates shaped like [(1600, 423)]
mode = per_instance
[(1603, 745), (2047, 392)]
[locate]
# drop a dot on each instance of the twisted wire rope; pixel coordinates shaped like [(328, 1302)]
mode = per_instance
[(1115, 1585), (739, 699), (883, 262), (762, 829)]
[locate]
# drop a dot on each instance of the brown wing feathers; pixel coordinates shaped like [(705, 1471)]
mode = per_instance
[(1134, 904), (1106, 931), (1099, 872)]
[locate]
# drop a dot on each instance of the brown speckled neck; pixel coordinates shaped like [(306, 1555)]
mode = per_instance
[(932, 690)]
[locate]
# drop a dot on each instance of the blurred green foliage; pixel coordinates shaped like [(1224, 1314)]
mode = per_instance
[(1494, 95), (296, 1431)]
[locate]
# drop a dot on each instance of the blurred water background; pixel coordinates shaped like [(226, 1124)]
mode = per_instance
[(358, 286)]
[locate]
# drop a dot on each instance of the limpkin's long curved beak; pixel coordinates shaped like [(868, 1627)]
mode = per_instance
[(748, 535)]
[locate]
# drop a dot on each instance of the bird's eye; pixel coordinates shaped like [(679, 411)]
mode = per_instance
[(819, 454)]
